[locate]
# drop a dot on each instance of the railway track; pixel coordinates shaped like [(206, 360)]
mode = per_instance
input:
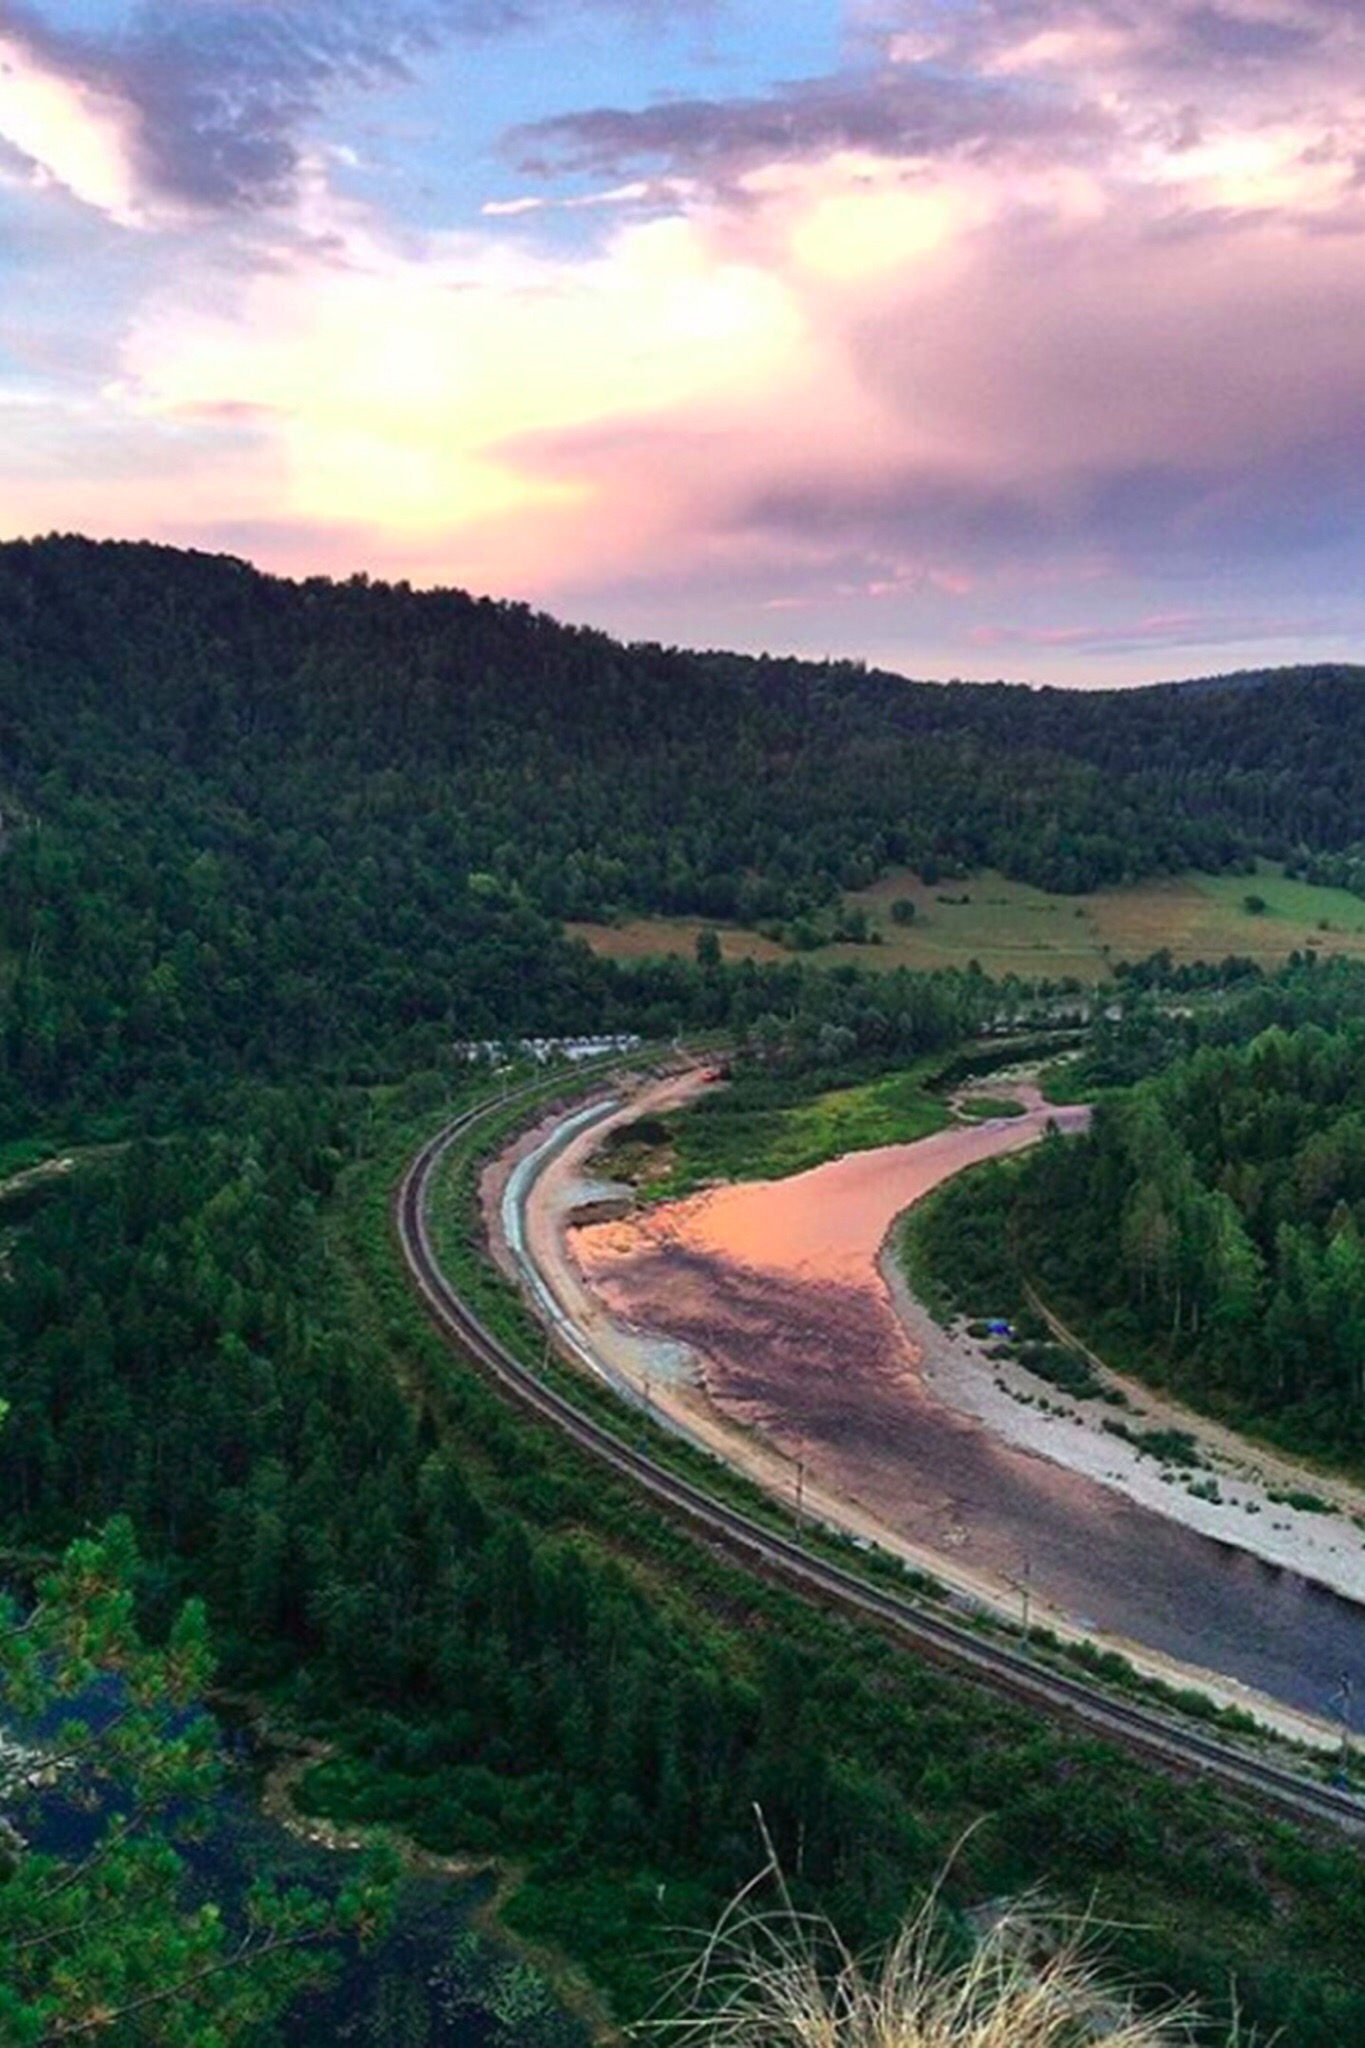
[(997, 1665)]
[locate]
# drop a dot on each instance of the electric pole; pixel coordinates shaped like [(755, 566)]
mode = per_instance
[(1341, 1699)]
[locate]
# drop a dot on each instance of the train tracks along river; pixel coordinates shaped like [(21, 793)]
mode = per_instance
[(1000, 1665)]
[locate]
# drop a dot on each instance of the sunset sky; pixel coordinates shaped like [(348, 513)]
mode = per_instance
[(974, 337)]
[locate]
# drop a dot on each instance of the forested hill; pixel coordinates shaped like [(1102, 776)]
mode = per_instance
[(589, 774), (597, 775), (246, 822)]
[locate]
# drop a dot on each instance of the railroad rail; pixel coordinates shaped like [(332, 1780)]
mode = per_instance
[(998, 1665)]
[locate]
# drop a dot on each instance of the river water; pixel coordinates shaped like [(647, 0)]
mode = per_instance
[(775, 1286), (438, 1979)]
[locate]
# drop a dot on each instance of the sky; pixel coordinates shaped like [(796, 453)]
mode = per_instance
[(979, 338)]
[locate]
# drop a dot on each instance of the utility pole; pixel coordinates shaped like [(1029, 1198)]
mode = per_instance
[(800, 1500), (1024, 1586), (1341, 1699)]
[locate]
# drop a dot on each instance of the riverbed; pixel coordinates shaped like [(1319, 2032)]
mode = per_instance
[(773, 1294)]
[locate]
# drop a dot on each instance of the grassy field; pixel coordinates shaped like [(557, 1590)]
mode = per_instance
[(645, 938), (766, 1127), (1013, 928)]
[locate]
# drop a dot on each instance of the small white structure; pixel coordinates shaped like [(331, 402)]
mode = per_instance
[(495, 1052)]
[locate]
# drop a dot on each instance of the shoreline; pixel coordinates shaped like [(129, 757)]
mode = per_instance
[(1326, 1547), (645, 1368)]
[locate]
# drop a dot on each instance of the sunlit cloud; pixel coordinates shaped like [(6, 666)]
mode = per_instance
[(1024, 297), (638, 192), (399, 388), (70, 134)]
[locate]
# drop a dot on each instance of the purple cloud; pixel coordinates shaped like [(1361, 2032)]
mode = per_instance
[(896, 112), (222, 88), (1157, 630), (983, 77), (1157, 35)]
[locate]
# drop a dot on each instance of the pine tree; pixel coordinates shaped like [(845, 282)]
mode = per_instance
[(103, 1942)]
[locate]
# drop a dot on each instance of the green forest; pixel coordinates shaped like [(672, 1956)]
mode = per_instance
[(270, 852), (1207, 1232), (256, 828)]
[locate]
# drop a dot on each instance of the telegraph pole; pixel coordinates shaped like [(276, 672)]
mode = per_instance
[(1341, 1699)]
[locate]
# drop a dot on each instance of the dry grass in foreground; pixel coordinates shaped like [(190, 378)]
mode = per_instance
[(781, 1980)]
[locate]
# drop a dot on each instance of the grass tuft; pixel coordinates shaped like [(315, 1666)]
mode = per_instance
[(784, 1979)]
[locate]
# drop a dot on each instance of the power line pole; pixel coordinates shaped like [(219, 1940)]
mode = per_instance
[(1341, 1699), (1023, 1586)]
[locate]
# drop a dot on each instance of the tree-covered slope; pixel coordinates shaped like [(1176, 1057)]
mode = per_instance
[(260, 827), (1207, 1233), (594, 774), (587, 773)]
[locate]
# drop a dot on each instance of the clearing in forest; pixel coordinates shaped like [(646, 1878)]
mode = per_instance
[(1013, 928)]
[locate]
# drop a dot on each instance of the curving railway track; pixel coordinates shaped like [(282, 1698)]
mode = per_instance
[(998, 1665)]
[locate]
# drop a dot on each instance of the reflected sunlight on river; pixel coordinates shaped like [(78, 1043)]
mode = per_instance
[(775, 1286)]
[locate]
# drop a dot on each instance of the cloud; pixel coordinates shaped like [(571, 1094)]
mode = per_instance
[(1157, 631), (640, 191), (212, 96), (892, 112), (68, 132), (1248, 100), (844, 376), (1248, 37), (409, 391), (1039, 310)]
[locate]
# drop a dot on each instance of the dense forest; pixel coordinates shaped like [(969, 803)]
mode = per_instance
[(1209, 1232), (261, 828), (269, 851)]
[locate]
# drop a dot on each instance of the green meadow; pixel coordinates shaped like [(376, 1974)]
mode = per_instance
[(768, 1126), (1011, 927)]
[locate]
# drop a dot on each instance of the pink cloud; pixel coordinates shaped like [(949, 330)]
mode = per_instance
[(1061, 293), (1171, 630)]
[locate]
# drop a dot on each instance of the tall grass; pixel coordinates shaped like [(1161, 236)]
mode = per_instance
[(783, 1979)]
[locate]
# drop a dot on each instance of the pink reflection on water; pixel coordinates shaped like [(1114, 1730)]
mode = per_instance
[(774, 1287), (823, 1226)]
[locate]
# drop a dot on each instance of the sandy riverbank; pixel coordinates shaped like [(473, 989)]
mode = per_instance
[(1325, 1546)]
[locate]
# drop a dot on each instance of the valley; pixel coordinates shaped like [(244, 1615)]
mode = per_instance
[(279, 854)]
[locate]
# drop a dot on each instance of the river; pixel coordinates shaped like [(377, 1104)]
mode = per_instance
[(774, 1286)]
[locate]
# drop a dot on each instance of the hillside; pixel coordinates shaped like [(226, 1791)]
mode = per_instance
[(593, 774), (262, 827), (588, 774)]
